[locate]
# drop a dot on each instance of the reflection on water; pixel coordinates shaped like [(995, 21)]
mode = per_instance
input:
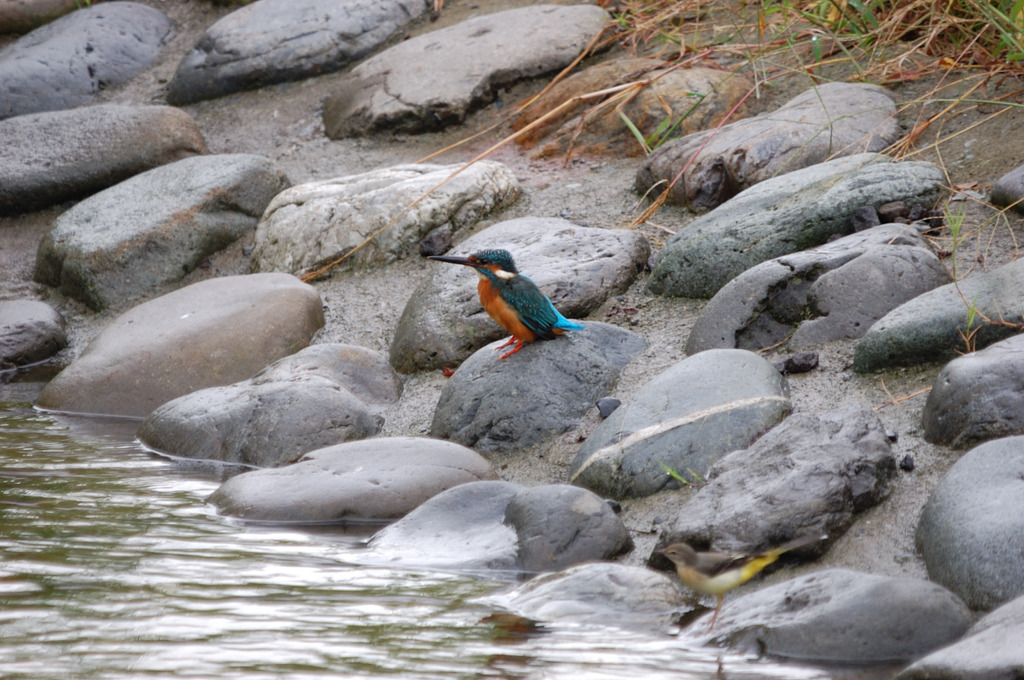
[(113, 566)]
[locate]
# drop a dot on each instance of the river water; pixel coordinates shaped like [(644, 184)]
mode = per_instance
[(113, 566)]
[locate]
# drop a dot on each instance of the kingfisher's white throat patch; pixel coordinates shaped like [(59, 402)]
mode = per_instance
[(502, 274)]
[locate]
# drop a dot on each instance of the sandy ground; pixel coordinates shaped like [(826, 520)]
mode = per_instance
[(283, 123)]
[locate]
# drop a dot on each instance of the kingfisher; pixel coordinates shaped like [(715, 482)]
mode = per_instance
[(513, 300)]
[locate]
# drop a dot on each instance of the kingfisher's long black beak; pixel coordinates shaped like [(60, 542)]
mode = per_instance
[(453, 260)]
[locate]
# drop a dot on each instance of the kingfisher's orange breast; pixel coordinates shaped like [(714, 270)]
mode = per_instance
[(500, 311)]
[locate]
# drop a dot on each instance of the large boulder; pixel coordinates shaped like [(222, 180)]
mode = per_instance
[(273, 41), (153, 229), (788, 213), (30, 331), (434, 80), (730, 398), (214, 332)]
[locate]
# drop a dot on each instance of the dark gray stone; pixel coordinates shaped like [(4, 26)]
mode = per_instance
[(488, 405), (65, 64), (30, 331), (843, 616), (785, 214), (684, 419), (23, 16), (809, 475), (1009, 190), (372, 480), (274, 41), (474, 527), (971, 531), (210, 333), (153, 229), (977, 397), (989, 651), (577, 267), (62, 155), (933, 326), (834, 119), (323, 395), (434, 80)]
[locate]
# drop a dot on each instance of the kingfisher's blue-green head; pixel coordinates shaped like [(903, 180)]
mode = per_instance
[(498, 263)]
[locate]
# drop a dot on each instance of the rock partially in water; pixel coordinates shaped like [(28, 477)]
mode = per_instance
[(30, 331), (322, 395), (153, 229), (933, 326), (833, 292), (274, 41), (488, 405), (971, 531), (484, 525), (368, 481), (1009, 190), (21, 17), (675, 102), (785, 214), (808, 475), (62, 155), (65, 64), (825, 122), (682, 421), (977, 397), (578, 268), (842, 616), (318, 222), (214, 332), (985, 652), (435, 80)]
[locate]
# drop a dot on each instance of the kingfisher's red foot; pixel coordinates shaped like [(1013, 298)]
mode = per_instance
[(506, 344), (519, 346)]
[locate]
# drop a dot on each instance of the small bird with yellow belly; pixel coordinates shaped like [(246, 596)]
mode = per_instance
[(713, 573), (513, 300)]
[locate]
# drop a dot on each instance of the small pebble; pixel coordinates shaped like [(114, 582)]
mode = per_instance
[(607, 406), (907, 464), (801, 362)]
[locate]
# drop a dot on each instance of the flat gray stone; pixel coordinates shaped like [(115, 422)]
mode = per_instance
[(322, 395), (578, 268), (1009, 190), (274, 41), (30, 331), (730, 398), (210, 333), (318, 222), (153, 229), (809, 475), (833, 292), (822, 123), (367, 481), (486, 403), (785, 214), (66, 63), (971, 531), (57, 156), (434, 80), (932, 326)]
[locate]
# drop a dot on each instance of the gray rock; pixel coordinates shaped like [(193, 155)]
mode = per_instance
[(831, 120), (971, 531), (318, 222), (474, 526), (782, 215), (22, 17), (730, 398), (434, 80), (372, 480), (214, 332), (843, 616), (153, 229), (62, 155), (322, 395), (833, 292), (1009, 190), (933, 326), (603, 593), (577, 267), (808, 475), (65, 64), (274, 41), (984, 653), (30, 331), (487, 404), (977, 397)]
